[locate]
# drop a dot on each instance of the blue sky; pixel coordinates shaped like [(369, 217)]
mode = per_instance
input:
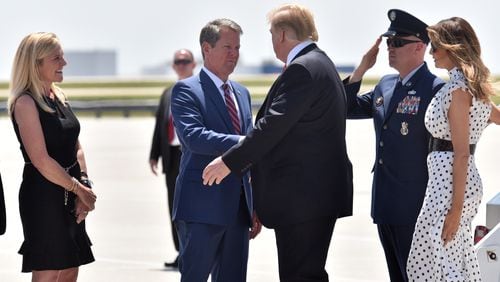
[(146, 32)]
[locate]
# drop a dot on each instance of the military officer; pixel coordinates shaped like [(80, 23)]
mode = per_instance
[(397, 106)]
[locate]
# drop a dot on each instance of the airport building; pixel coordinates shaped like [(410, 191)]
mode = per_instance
[(91, 63)]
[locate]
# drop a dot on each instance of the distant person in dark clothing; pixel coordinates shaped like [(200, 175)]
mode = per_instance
[(165, 143)]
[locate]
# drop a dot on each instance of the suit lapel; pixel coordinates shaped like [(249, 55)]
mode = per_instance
[(268, 100), (392, 99), (213, 94)]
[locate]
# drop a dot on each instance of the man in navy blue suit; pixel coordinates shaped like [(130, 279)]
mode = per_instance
[(211, 114), (397, 106)]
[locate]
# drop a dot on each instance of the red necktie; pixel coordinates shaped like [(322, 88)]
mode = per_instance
[(170, 129), (231, 108)]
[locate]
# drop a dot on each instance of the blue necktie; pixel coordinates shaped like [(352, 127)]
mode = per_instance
[(396, 95)]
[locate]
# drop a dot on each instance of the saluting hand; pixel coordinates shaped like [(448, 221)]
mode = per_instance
[(370, 58), (367, 62)]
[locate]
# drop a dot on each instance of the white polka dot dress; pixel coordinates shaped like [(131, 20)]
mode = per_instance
[(429, 260)]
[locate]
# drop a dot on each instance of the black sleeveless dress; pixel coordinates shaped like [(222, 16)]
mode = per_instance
[(52, 238)]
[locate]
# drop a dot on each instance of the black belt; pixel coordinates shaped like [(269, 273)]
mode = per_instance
[(436, 144)]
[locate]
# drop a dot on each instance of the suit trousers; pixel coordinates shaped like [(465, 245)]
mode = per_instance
[(170, 178), (396, 241), (303, 250), (221, 251)]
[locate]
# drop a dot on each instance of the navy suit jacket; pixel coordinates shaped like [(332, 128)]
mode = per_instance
[(297, 151), (205, 131), (400, 169)]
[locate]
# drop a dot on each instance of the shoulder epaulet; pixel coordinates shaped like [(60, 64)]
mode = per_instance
[(437, 84)]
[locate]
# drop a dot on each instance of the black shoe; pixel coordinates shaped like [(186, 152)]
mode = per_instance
[(174, 264)]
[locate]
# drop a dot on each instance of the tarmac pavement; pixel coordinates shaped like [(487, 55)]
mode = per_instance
[(129, 227)]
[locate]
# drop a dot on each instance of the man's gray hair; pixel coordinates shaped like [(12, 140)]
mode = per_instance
[(210, 33)]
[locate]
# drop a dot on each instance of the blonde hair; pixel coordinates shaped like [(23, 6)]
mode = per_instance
[(297, 18), (25, 77), (457, 37)]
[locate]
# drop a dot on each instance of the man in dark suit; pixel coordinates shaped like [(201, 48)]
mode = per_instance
[(301, 174), (212, 114), (165, 144), (397, 106)]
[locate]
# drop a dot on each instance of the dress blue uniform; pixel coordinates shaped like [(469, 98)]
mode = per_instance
[(400, 169)]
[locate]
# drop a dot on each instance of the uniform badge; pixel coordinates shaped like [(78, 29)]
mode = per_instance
[(412, 92), (379, 101), (392, 16), (404, 128)]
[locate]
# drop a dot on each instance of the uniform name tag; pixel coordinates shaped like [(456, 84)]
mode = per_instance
[(409, 105)]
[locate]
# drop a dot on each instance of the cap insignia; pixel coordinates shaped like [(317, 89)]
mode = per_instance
[(392, 15)]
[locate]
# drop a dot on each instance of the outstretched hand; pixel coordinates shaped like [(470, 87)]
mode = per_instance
[(215, 172)]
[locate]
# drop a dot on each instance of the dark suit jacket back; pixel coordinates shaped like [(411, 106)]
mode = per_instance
[(296, 151)]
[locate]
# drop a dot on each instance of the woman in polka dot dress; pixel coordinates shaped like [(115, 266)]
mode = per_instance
[(442, 247)]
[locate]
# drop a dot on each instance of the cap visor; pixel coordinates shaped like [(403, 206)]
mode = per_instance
[(389, 33)]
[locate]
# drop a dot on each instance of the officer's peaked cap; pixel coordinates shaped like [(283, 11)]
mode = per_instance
[(404, 24)]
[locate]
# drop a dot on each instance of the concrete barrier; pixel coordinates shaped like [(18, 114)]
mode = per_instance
[(126, 106)]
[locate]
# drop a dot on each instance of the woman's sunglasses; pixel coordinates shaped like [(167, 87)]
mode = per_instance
[(433, 48)]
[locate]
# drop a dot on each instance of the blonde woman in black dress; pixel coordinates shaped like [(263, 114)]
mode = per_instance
[(55, 196)]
